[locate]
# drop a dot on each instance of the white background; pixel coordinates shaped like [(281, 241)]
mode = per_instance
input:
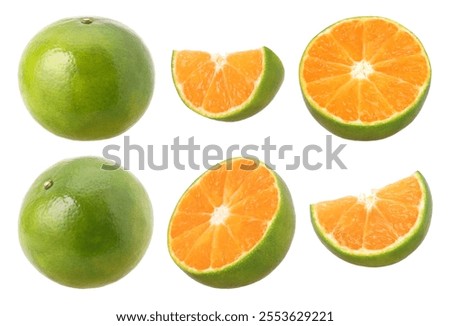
[(412, 292)]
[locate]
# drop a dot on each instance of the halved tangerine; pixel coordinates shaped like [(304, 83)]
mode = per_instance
[(233, 225), (365, 78)]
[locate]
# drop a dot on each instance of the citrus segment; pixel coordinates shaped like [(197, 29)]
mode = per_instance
[(376, 229), (365, 78), (227, 87), (233, 225)]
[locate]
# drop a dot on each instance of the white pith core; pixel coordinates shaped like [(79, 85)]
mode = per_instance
[(369, 199), (220, 61), (361, 69), (219, 215)]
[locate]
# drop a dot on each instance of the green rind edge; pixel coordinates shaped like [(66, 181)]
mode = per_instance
[(373, 131), (263, 258), (393, 254), (271, 81)]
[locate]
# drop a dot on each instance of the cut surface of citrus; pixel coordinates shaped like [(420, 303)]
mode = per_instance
[(233, 225), (227, 87), (378, 229), (365, 78)]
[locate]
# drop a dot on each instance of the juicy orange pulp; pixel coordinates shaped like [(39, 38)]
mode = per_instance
[(365, 70), (376, 221), (218, 83), (224, 215)]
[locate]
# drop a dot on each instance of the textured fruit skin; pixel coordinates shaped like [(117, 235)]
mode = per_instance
[(271, 81), (391, 255), (358, 131), (263, 258), (90, 228), (86, 81)]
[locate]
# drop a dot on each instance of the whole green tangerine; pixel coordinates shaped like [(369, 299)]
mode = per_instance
[(83, 226), (86, 78)]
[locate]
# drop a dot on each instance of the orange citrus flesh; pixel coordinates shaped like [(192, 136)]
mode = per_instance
[(365, 70), (223, 215), (373, 222), (215, 83)]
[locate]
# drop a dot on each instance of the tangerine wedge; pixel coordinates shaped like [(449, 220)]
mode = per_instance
[(379, 229), (227, 87)]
